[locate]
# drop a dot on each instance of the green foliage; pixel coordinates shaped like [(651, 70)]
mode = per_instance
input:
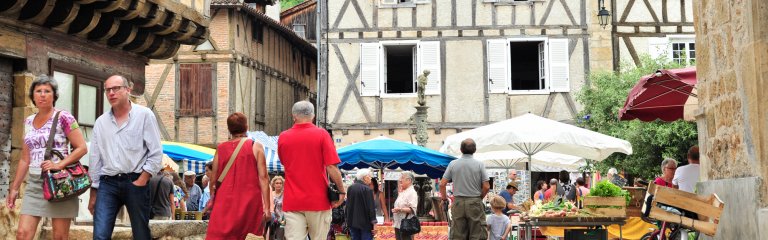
[(286, 4), (651, 141), (607, 189)]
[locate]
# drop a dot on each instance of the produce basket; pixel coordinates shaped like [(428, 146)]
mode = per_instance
[(708, 208), (606, 206)]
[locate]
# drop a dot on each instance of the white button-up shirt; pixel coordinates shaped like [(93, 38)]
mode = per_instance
[(131, 148)]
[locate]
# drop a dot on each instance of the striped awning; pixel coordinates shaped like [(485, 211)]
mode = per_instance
[(197, 166), (270, 150)]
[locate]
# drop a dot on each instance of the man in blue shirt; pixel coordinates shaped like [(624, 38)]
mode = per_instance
[(507, 195)]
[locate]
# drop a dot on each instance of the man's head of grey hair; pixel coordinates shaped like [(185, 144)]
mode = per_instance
[(612, 171), (362, 173), (668, 162), (553, 182), (303, 110), (407, 175)]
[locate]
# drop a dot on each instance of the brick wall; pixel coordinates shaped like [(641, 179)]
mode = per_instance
[(242, 62)]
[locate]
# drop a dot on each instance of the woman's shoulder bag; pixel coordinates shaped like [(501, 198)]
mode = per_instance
[(67, 183)]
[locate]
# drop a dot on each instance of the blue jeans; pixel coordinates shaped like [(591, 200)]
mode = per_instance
[(115, 192), (360, 234)]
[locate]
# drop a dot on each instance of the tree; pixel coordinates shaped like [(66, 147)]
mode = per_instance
[(651, 141), (286, 4)]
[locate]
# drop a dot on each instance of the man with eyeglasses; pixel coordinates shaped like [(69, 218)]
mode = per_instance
[(125, 153)]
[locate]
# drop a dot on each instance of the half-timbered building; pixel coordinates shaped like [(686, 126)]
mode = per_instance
[(250, 64), (80, 43), (301, 18), (489, 60)]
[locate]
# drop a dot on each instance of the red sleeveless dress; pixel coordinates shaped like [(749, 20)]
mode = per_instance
[(237, 207)]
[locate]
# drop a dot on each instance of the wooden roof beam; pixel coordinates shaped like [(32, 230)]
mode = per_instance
[(84, 22), (36, 12), (11, 7), (171, 24), (62, 16)]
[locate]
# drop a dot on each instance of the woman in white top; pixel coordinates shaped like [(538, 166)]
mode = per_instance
[(405, 205)]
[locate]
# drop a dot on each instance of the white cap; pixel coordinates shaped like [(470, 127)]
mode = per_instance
[(189, 173)]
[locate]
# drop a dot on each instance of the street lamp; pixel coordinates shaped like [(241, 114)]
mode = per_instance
[(603, 15)]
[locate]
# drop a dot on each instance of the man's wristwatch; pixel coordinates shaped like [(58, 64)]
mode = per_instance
[(343, 193)]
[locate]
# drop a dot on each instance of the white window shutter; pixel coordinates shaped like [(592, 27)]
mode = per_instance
[(559, 65), (388, 2), (370, 56), (658, 47), (429, 59), (498, 65)]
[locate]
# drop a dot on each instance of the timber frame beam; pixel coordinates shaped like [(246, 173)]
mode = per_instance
[(152, 28)]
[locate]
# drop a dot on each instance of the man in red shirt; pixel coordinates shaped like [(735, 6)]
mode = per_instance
[(551, 193), (308, 154)]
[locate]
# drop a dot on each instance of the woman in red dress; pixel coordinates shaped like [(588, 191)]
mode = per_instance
[(241, 200)]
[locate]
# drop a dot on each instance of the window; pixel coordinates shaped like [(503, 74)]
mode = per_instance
[(257, 30), (528, 65), (300, 30), (677, 48), (79, 89), (195, 90), (684, 53), (391, 68), (308, 68)]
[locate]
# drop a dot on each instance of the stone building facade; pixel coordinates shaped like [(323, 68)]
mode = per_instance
[(250, 64), (489, 60), (732, 38)]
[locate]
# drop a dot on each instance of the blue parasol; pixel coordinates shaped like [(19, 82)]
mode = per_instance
[(386, 153)]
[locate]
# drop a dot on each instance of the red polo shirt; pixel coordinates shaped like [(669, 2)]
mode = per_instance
[(304, 151)]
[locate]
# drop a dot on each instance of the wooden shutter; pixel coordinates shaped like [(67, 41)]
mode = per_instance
[(370, 56), (205, 90), (187, 86), (559, 64), (658, 47), (429, 59), (195, 90), (498, 65)]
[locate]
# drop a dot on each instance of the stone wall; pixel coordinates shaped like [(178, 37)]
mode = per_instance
[(732, 42)]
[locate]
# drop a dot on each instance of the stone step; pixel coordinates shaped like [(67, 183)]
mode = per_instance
[(161, 229)]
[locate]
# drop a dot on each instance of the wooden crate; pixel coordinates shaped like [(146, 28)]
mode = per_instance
[(636, 203), (618, 206), (707, 207)]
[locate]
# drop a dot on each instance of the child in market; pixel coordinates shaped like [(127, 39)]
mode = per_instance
[(498, 223)]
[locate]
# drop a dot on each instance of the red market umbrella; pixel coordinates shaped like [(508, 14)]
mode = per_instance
[(668, 94)]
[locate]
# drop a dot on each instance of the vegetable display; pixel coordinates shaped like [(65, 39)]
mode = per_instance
[(553, 209), (607, 189)]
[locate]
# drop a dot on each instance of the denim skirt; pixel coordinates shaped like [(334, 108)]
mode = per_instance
[(35, 205)]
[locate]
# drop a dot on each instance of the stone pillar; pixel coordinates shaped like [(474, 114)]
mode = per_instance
[(732, 65), (600, 39), (421, 125), (22, 107)]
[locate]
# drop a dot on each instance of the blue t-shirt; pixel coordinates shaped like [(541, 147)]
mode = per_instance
[(498, 224), (507, 197)]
